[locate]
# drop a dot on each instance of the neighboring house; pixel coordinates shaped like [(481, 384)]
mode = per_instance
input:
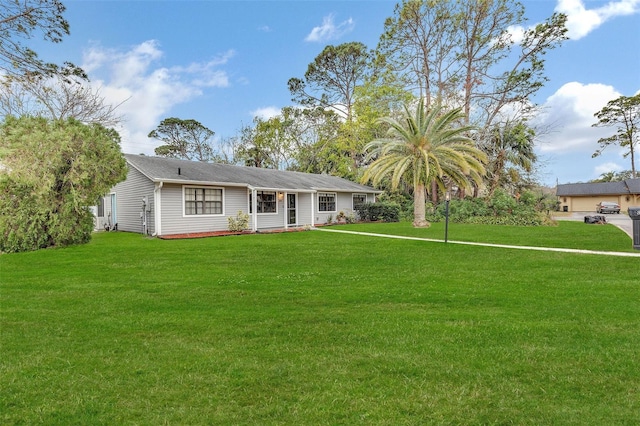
[(577, 197), (165, 196)]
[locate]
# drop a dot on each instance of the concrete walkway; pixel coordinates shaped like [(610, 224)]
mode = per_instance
[(561, 250)]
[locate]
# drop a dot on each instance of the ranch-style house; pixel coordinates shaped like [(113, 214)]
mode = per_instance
[(167, 196)]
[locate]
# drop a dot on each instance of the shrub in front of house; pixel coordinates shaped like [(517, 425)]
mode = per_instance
[(380, 211), (238, 223), (404, 201), (499, 209)]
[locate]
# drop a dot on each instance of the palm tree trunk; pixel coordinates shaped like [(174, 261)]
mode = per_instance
[(419, 219), (634, 173)]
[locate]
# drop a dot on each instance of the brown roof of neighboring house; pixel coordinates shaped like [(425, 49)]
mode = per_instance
[(628, 186)]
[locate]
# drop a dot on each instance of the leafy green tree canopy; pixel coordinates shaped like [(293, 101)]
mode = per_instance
[(268, 143), (186, 139), (510, 148), (292, 140), (51, 172)]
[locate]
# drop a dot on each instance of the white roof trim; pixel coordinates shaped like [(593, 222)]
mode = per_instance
[(199, 182), (355, 191)]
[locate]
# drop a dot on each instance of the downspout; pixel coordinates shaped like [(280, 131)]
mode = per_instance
[(157, 216)]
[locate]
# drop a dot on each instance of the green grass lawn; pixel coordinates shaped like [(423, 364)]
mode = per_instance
[(567, 234), (321, 328)]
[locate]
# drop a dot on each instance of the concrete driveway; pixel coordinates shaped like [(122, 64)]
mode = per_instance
[(621, 220)]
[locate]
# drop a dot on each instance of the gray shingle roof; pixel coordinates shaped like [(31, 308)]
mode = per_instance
[(633, 185), (629, 186), (173, 170)]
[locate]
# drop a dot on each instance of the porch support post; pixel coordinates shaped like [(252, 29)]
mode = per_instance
[(157, 209), (254, 214), (313, 208), (285, 210)]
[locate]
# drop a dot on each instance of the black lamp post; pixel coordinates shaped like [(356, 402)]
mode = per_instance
[(447, 198)]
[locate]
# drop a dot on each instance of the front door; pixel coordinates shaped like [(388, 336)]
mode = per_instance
[(291, 209)]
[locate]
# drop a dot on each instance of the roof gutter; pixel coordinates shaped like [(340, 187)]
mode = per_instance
[(259, 188), (371, 190), (200, 182)]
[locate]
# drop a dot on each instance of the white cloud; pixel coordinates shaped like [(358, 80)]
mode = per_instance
[(581, 21), (146, 90), (329, 30), (266, 113), (607, 167), (568, 115), (516, 32)]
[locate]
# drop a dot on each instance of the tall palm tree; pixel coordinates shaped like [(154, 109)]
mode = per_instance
[(422, 148)]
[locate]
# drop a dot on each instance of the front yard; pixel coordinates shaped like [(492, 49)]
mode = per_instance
[(323, 328)]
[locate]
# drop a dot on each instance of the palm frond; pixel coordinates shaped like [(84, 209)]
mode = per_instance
[(425, 146)]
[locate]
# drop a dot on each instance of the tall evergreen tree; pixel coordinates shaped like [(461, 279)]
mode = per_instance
[(186, 139), (332, 78), (622, 113)]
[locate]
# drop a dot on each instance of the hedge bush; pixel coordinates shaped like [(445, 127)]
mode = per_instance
[(58, 169), (500, 209), (380, 211)]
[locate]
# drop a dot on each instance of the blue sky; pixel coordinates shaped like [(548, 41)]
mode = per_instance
[(224, 62)]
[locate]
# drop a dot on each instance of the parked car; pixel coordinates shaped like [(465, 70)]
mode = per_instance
[(608, 207)]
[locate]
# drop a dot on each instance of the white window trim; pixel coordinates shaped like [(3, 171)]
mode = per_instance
[(269, 213), (366, 199), (184, 213), (335, 196)]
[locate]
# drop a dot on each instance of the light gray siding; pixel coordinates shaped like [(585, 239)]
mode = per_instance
[(273, 220), (279, 219), (128, 196), (344, 203), (305, 215), (174, 221)]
